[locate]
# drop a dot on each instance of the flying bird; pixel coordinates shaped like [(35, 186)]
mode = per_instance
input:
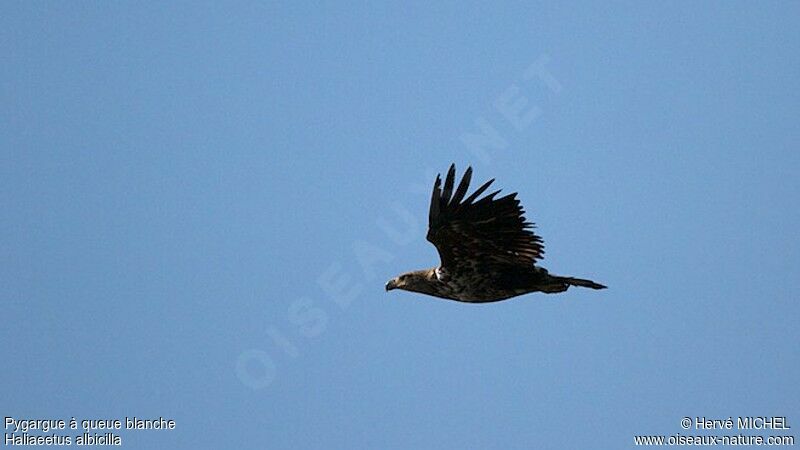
[(487, 249)]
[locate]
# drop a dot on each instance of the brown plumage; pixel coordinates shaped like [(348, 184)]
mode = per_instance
[(487, 249)]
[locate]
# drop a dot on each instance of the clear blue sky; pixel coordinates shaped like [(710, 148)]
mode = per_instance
[(202, 203)]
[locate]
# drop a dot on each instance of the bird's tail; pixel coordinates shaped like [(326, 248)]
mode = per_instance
[(570, 281)]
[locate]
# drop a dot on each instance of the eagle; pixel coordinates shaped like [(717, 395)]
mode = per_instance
[(487, 249)]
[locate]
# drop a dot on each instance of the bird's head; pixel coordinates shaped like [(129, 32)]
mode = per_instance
[(417, 281)]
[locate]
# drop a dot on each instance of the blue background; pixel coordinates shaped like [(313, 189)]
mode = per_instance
[(201, 203)]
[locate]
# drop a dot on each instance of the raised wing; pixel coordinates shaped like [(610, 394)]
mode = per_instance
[(488, 231)]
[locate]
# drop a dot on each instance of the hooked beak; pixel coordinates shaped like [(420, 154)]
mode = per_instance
[(391, 284)]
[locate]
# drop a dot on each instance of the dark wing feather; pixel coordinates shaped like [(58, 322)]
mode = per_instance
[(489, 231), (462, 187)]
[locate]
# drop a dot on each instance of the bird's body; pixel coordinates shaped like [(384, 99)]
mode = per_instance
[(487, 249)]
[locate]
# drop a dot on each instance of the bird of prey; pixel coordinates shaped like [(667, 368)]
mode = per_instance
[(487, 249)]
